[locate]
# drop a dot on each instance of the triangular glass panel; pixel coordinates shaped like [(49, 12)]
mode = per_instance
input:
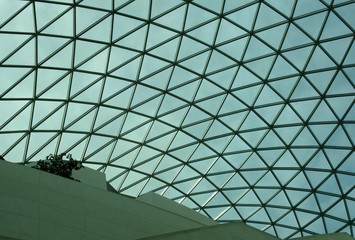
[(330, 185), (322, 131), (90, 94), (330, 31), (253, 176), (249, 198), (86, 17), (267, 17), (57, 28), (85, 50), (218, 61), (286, 161), (256, 48), (284, 86), (340, 85), (10, 42), (317, 226), (174, 19), (96, 144), (316, 177), (24, 56), (215, 6), (339, 138), (312, 24), (135, 40), (23, 89), (43, 110), (309, 203), (282, 68), (124, 25), (288, 220), (303, 155), (228, 31), (340, 105), (235, 49), (303, 90), (150, 107), (305, 138), (245, 77), (219, 181), (174, 117), (319, 60), (268, 96), (168, 50), (97, 4), (299, 56), (304, 218), (323, 113), (296, 196), (212, 105), (261, 67), (219, 144), (97, 63), (39, 141), (195, 115), (346, 181), (237, 144), (221, 166), (273, 36), (63, 58), (206, 33), (265, 194), (269, 114), (253, 138), (162, 6), (129, 70), (22, 22), (151, 65), (207, 89), (235, 194), (299, 181), (321, 80), (157, 35), (305, 108), (202, 166), (279, 200), (198, 63), (242, 17), (287, 116), (276, 213), (337, 48), (271, 155), (246, 211), (192, 20), (253, 161), (295, 37), (346, 13), (304, 7), (136, 9), (271, 140)]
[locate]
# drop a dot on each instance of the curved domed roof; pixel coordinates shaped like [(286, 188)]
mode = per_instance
[(241, 110)]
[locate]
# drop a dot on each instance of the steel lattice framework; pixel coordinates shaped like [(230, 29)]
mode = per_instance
[(241, 110)]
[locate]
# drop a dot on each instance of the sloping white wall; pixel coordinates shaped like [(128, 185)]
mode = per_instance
[(39, 205), (230, 231)]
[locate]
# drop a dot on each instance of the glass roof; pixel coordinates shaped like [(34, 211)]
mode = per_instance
[(241, 110)]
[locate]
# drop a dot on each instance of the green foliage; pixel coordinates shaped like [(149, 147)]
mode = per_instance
[(55, 164)]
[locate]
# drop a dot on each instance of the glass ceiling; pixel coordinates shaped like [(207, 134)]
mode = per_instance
[(241, 110)]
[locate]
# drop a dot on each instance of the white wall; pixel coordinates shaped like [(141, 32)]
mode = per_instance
[(39, 205)]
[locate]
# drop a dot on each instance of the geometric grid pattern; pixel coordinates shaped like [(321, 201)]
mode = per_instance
[(241, 110)]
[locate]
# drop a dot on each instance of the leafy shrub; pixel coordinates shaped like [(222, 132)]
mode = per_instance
[(55, 164)]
